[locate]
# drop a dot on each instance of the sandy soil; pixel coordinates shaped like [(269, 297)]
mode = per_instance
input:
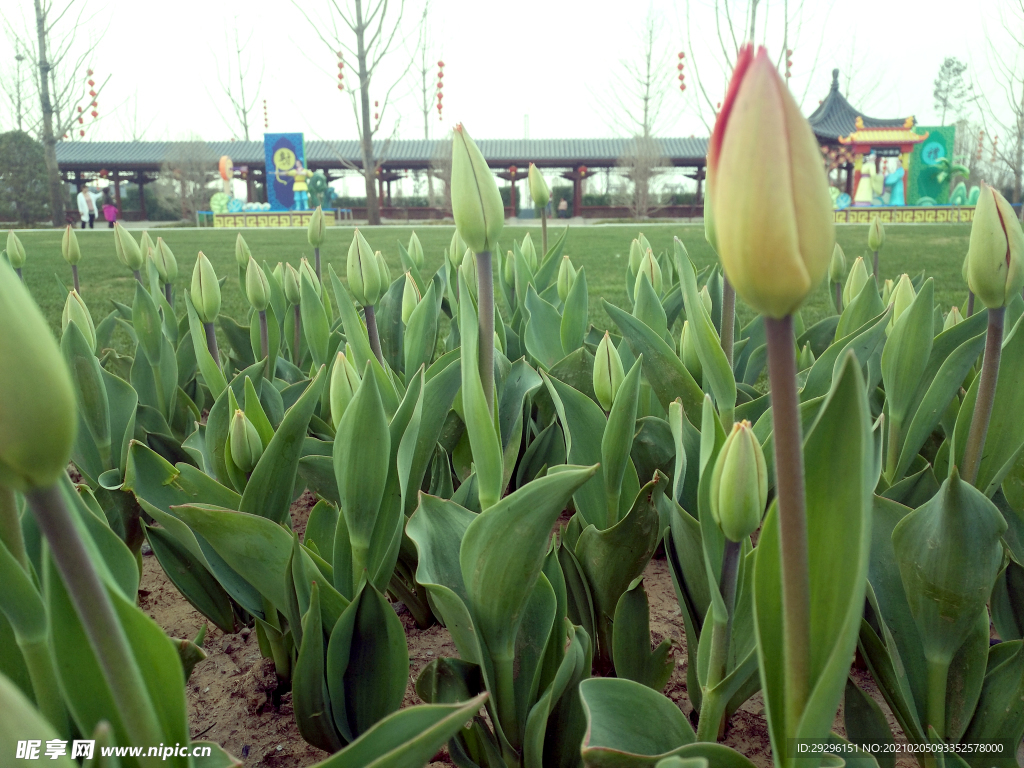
[(229, 692)]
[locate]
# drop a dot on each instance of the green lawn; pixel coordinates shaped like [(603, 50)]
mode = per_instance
[(603, 250)]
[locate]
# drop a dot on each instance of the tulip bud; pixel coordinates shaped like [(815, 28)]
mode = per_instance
[(649, 266), (636, 255), (855, 282), (15, 250), (363, 271), (242, 252), (608, 372), (306, 268), (805, 359), (145, 245), (456, 249), (887, 287), (529, 252), (128, 251), (705, 299), (278, 274), (257, 287), (69, 246), (317, 229), (205, 290), (468, 271), (739, 484), (566, 278), (688, 352), (37, 402), (876, 234), (498, 344), (410, 298), (837, 266), (645, 244), (344, 383), (996, 252), (953, 318), (476, 203), (774, 225), (166, 264), (415, 251), (510, 269), (245, 443), (385, 273), (539, 190), (291, 286), (902, 298), (75, 311)]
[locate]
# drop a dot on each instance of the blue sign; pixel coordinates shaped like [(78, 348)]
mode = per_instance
[(287, 173)]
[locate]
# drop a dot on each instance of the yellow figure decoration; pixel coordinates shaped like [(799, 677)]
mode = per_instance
[(286, 164)]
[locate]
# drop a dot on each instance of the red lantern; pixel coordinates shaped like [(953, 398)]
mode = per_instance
[(679, 66), (376, 116), (92, 83), (103, 173), (439, 97), (682, 55), (341, 65), (341, 87), (94, 114), (93, 94), (440, 64), (512, 170), (65, 135), (376, 104), (81, 120), (81, 133), (95, 104), (440, 74), (341, 76), (79, 109), (89, 72)]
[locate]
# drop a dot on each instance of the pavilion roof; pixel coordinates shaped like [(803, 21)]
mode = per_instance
[(836, 117), (877, 136)]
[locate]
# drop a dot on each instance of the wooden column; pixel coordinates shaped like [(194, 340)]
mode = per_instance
[(184, 209), (577, 193), (141, 181), (700, 184), (116, 179)]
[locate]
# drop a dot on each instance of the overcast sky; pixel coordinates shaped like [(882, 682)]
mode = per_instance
[(560, 63)]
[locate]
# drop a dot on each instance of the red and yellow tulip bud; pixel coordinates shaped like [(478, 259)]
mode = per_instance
[(996, 253), (15, 250), (242, 252), (876, 234), (739, 484), (410, 298), (539, 190), (37, 402), (69, 246), (363, 271), (608, 372), (244, 441), (344, 383), (855, 282), (566, 278), (128, 251), (476, 203), (166, 264), (257, 287), (76, 311), (415, 251), (205, 290), (317, 229), (772, 208), (291, 286)]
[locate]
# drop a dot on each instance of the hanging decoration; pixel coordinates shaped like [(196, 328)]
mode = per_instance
[(376, 114), (440, 89), (981, 145), (266, 119), (789, 63), (341, 72), (995, 145), (682, 76), (93, 103)]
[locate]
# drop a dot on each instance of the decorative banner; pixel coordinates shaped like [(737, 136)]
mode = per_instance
[(286, 171)]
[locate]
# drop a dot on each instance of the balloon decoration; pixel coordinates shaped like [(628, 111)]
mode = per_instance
[(341, 72), (682, 77), (440, 88)]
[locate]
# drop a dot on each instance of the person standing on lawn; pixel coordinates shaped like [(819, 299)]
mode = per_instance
[(87, 207)]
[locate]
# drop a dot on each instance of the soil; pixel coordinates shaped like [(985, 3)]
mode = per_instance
[(230, 692)]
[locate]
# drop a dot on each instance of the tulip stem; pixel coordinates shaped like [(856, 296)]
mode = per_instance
[(875, 272), (45, 685), (264, 336), (211, 341), (296, 342), (371, 331), (485, 306), (938, 676), (10, 527), (74, 277), (96, 612), (316, 257), (138, 275), (986, 395), (893, 451), (839, 298), (712, 707), (169, 294), (789, 476), (544, 230), (728, 318), (970, 303)]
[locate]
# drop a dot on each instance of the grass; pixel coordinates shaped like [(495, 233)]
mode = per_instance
[(938, 249)]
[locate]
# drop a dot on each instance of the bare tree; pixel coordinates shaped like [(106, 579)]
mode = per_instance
[(15, 85), (424, 65), (441, 169), (233, 82), (1003, 112), (953, 92), (642, 163), (192, 168), (131, 125), (367, 31)]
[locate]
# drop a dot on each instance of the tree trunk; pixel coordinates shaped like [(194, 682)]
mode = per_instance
[(366, 134), (54, 184)]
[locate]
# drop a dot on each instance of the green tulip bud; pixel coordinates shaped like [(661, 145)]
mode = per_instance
[(566, 278), (510, 269), (805, 359), (75, 311), (410, 298), (996, 252), (385, 272), (244, 442), (855, 282), (257, 287), (166, 264), (705, 300), (37, 402), (539, 190), (688, 352), (363, 271), (953, 318), (645, 244), (468, 271), (636, 255), (476, 203), (529, 251), (498, 343), (145, 244), (69, 246), (876, 234), (242, 252), (205, 290), (837, 266), (15, 250), (415, 251), (902, 298), (128, 251), (608, 372), (649, 266), (306, 268), (317, 229), (291, 286), (344, 383), (278, 274), (739, 484), (456, 249)]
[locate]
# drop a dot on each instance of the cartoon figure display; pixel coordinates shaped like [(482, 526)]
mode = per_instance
[(287, 175)]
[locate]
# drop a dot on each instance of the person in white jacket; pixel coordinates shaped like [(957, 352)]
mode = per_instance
[(87, 207)]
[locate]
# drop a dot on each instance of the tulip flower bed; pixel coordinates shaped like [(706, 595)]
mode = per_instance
[(819, 488)]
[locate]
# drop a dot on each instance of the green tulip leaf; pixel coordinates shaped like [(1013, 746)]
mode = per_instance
[(631, 641)]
